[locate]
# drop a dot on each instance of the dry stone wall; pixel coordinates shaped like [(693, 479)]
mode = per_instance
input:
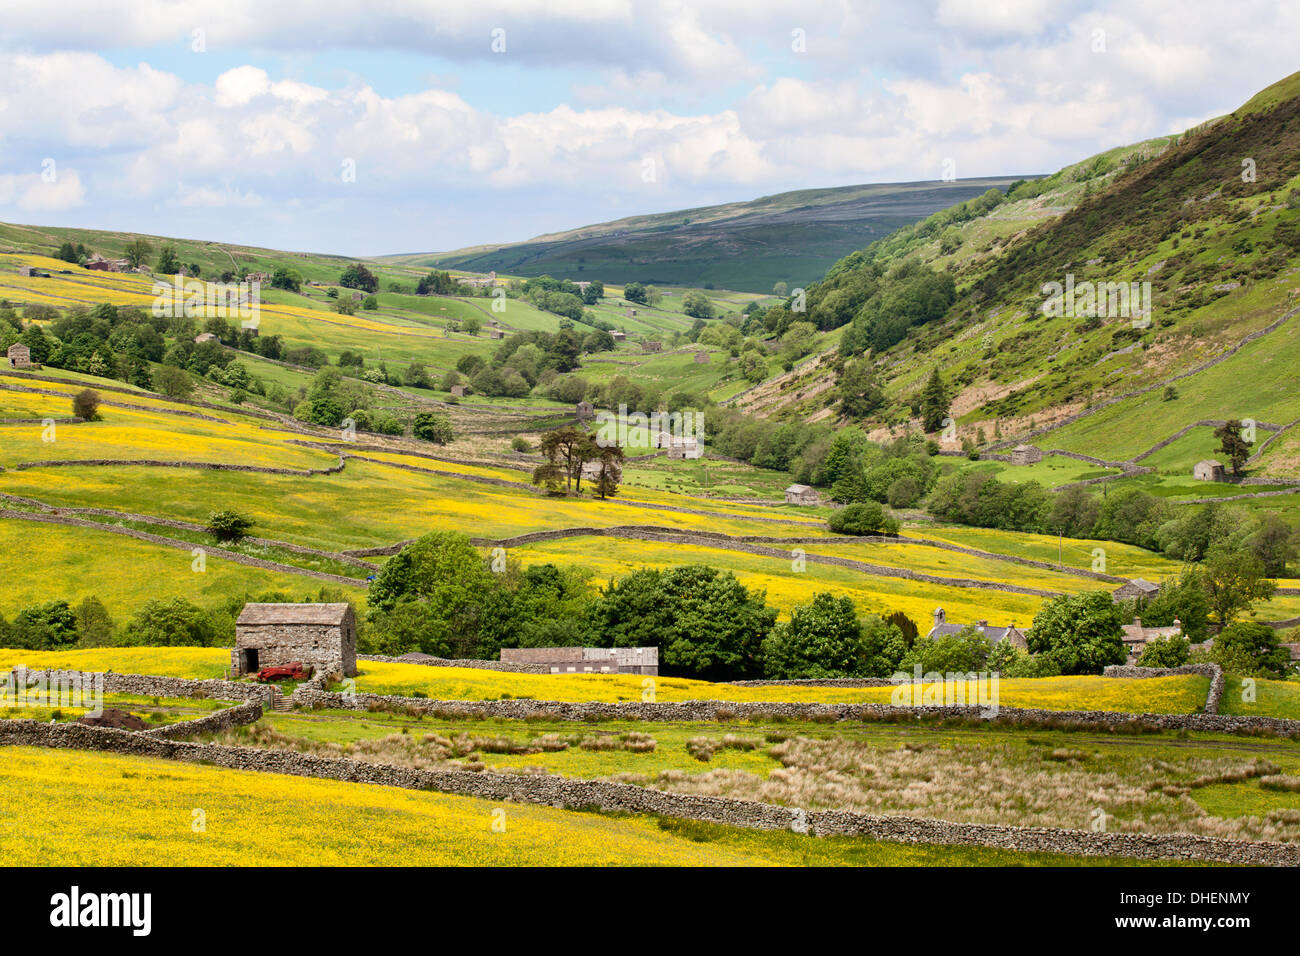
[(626, 798)]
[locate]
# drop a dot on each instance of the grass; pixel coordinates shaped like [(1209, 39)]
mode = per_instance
[(133, 811)]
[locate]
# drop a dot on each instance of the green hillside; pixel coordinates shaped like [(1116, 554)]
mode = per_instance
[(789, 237)]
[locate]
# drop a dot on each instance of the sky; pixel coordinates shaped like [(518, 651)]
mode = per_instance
[(399, 126)]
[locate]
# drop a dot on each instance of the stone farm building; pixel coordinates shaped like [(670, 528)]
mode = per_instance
[(618, 336), (458, 391), (801, 495), (1009, 633), (585, 410), (587, 660), (321, 636), (496, 334), (1136, 636), (1209, 470), (651, 346), (1026, 455), (20, 356), (1136, 588), (204, 337)]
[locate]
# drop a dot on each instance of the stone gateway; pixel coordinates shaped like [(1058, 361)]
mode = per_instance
[(321, 636)]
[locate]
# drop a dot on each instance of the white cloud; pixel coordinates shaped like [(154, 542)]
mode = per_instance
[(34, 192)]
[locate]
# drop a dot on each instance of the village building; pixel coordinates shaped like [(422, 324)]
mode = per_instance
[(995, 635), (496, 334), (458, 391), (20, 356), (98, 263), (320, 636), (591, 471), (587, 660), (1209, 470), (204, 337), (585, 410), (1136, 635), (1026, 455), (801, 495), (1136, 589), (618, 336), (652, 346), (686, 447)]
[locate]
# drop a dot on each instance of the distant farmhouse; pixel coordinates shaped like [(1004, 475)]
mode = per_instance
[(458, 391), (1135, 589), (496, 334), (1136, 635), (1209, 470), (20, 356), (585, 410), (995, 635), (801, 495), (320, 636), (98, 263), (1026, 455), (587, 660), (204, 337), (651, 346), (618, 336)]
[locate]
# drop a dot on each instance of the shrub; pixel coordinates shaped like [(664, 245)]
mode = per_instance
[(228, 526), (865, 518), (1171, 651), (434, 427), (520, 444), (172, 623), (85, 404)]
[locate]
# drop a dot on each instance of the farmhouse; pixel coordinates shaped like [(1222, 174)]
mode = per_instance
[(1010, 633), (1209, 470), (1136, 635), (651, 346), (618, 336), (321, 636), (801, 495), (1136, 588), (98, 263), (20, 356), (686, 447), (204, 337), (587, 660), (1026, 455)]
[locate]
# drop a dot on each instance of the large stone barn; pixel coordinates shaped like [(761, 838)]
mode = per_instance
[(321, 636), (20, 356), (1026, 455), (1209, 470)]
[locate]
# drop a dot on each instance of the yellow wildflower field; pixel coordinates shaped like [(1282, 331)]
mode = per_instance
[(105, 810), (1157, 695)]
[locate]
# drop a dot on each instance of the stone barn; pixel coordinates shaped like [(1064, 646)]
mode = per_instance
[(458, 391), (801, 495), (1137, 588), (20, 356), (1209, 470), (204, 337), (496, 334), (651, 346), (321, 636), (1026, 455), (585, 410), (618, 336)]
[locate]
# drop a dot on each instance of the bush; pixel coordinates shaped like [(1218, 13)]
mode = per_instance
[(967, 650), (1171, 651), (865, 518), (173, 623), (1250, 650), (85, 404), (228, 526), (434, 427), (520, 444), (1080, 633), (44, 627)]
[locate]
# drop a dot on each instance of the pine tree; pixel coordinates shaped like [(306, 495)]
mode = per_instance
[(934, 403)]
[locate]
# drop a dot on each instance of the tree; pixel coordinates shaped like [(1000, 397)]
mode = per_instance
[(85, 404), (1232, 444), (416, 376), (1274, 543), (864, 518), (228, 526), (94, 623), (1080, 633), (168, 262), (961, 653), (432, 593), (1180, 599), (634, 292), (172, 623), (821, 640), (1250, 650), (357, 276), (173, 382), (611, 471), (44, 627), (285, 278), (706, 624), (1233, 581), (433, 426), (137, 251), (40, 343), (860, 393), (564, 450), (1171, 651), (697, 305), (934, 403)]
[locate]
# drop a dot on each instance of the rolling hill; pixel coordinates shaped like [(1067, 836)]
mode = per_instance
[(789, 237)]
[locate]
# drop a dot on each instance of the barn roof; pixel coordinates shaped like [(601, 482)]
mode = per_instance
[(294, 614), (797, 489)]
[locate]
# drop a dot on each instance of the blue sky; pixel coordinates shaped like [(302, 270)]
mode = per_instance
[(406, 126)]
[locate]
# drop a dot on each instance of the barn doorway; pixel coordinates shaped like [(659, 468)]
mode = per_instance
[(248, 660)]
